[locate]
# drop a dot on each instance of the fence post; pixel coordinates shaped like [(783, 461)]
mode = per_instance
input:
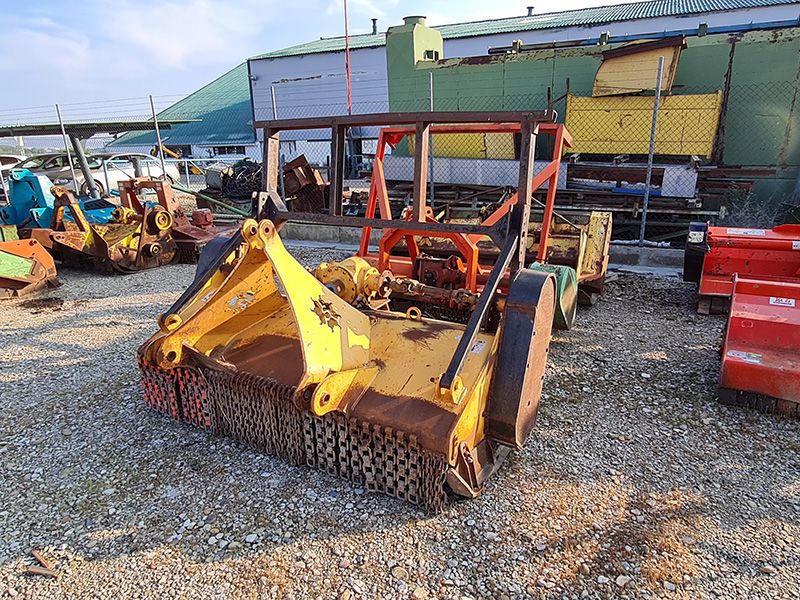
[(651, 150), (105, 176), (66, 148), (281, 158), (430, 143), (158, 140), (186, 168)]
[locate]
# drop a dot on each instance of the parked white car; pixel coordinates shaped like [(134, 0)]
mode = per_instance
[(107, 169), (9, 160)]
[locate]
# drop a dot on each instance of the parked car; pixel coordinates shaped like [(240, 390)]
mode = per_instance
[(9, 160), (118, 167)]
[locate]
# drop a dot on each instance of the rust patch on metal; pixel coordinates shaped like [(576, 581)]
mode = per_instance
[(430, 423), (269, 356)]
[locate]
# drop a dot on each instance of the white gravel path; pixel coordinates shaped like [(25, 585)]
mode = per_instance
[(635, 483)]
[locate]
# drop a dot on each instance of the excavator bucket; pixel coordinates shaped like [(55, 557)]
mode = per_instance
[(405, 373), (25, 266), (761, 353)]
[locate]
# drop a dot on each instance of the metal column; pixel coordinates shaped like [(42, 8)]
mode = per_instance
[(652, 149), (84, 165), (66, 149), (158, 138)]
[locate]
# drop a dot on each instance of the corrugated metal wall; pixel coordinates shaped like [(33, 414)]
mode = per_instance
[(757, 72)]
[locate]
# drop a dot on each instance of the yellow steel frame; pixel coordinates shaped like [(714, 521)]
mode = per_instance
[(346, 353)]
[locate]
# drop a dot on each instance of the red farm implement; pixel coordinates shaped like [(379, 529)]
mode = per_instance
[(755, 274), (714, 254), (760, 359)]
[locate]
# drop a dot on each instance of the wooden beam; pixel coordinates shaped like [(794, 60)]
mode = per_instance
[(338, 135), (271, 160), (422, 140)]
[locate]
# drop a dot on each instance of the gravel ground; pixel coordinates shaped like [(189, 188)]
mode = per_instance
[(635, 483)]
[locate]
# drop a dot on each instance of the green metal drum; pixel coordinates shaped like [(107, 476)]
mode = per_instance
[(566, 294)]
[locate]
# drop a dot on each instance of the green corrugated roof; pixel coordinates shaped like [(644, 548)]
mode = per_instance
[(598, 15), (223, 107)]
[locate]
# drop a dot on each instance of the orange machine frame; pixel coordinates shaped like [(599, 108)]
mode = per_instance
[(466, 243)]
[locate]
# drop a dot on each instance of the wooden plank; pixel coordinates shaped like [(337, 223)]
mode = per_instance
[(422, 141), (339, 133), (635, 69), (611, 125)]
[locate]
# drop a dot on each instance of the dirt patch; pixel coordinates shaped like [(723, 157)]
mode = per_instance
[(40, 305)]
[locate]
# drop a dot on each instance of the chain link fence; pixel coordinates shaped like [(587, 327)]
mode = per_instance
[(730, 156)]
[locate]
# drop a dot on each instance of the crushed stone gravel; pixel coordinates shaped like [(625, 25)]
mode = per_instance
[(635, 482)]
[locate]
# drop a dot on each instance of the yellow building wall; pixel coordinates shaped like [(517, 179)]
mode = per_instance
[(636, 72), (470, 145), (621, 124)]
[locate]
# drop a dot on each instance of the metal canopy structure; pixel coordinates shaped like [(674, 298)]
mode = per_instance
[(508, 230), (87, 129), (77, 131)]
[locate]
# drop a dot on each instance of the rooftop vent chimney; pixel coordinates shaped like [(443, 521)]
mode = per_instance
[(415, 20), (374, 26), (530, 11)]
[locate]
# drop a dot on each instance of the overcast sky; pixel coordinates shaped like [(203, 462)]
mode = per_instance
[(56, 51)]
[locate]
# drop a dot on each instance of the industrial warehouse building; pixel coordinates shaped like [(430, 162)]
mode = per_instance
[(308, 79)]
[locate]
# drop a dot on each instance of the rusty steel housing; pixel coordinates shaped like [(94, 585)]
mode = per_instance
[(141, 234)]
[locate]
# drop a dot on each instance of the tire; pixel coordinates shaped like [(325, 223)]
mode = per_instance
[(100, 189)]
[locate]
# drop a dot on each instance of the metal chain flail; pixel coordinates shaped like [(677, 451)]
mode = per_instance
[(158, 387), (260, 413)]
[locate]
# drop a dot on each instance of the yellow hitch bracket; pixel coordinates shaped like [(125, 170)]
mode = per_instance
[(453, 395), (334, 335), (340, 390), (249, 284)]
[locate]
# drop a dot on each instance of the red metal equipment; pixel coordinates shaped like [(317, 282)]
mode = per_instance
[(751, 252), (190, 235), (760, 358), (465, 243)]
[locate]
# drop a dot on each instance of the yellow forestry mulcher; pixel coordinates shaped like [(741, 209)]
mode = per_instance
[(345, 369)]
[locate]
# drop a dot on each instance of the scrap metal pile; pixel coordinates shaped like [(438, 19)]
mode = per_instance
[(90, 233), (344, 369), (303, 186)]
